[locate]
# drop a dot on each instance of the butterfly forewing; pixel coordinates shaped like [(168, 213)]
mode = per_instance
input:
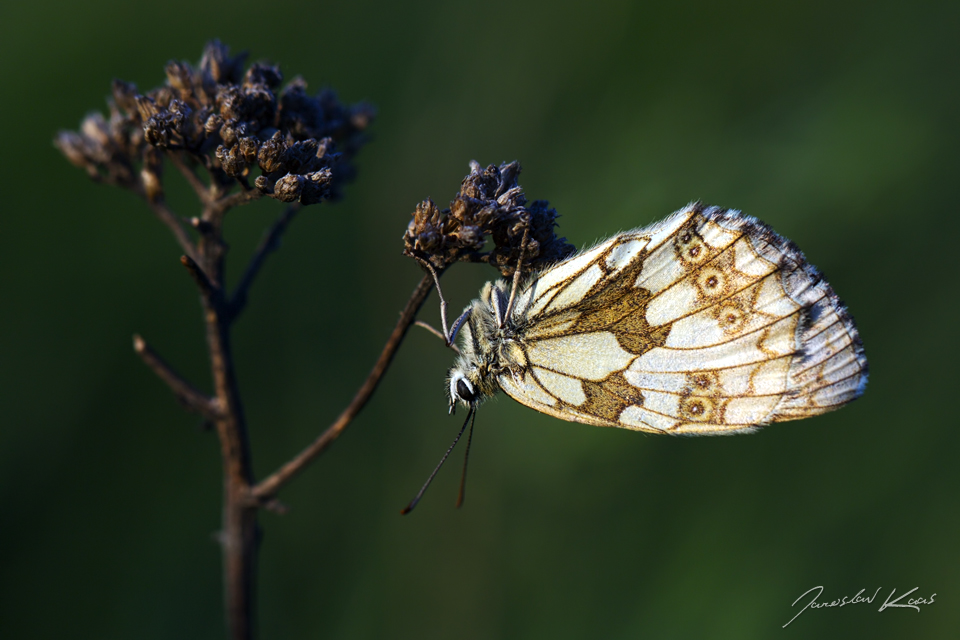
[(707, 322)]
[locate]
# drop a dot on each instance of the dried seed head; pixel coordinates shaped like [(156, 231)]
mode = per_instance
[(490, 204), (270, 154), (288, 188), (232, 160), (230, 122)]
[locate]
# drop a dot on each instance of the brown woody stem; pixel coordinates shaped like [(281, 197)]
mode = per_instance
[(188, 395), (201, 189), (240, 534), (239, 198), (269, 486), (173, 222), (204, 260)]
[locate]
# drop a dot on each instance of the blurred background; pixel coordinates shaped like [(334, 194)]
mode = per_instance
[(835, 123)]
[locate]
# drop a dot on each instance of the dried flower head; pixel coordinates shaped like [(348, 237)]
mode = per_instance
[(490, 205), (231, 122)]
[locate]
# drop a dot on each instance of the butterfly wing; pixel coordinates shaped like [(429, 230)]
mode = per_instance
[(707, 322)]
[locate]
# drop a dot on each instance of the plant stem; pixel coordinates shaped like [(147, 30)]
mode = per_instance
[(269, 486), (240, 533), (189, 396), (242, 498)]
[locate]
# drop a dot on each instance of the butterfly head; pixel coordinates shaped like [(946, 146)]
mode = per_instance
[(462, 388)]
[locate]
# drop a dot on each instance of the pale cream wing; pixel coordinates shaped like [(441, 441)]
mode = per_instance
[(705, 323)]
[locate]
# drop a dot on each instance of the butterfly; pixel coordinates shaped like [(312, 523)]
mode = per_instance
[(705, 323)]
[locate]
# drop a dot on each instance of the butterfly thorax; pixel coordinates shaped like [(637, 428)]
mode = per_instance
[(490, 346)]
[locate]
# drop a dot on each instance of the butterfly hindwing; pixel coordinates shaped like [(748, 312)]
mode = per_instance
[(707, 322)]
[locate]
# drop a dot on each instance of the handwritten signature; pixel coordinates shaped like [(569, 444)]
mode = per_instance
[(912, 603)]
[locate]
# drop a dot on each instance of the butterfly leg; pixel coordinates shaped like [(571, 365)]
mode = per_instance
[(516, 274), (448, 336), (457, 325), (439, 334), (443, 303)]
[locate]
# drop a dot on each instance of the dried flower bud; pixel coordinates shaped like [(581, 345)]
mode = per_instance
[(361, 115), (212, 124), (180, 78), (248, 147), (217, 64), (165, 127), (146, 107), (125, 97), (301, 155), (315, 186), (263, 74), (231, 160), (74, 147), (270, 156), (470, 236), (230, 103), (325, 148), (216, 114), (95, 128), (490, 205), (288, 188), (424, 234)]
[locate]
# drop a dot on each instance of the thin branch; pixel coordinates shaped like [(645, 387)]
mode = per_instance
[(270, 243), (202, 190), (172, 221), (270, 485), (187, 395), (240, 534), (207, 289), (236, 199), (203, 227)]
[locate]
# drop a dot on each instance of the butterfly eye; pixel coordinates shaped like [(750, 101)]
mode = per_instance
[(465, 391)]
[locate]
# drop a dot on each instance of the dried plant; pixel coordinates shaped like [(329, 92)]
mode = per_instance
[(218, 125), (491, 205)]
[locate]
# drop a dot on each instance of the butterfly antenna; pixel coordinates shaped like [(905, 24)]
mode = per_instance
[(426, 484), (466, 458), (516, 274)]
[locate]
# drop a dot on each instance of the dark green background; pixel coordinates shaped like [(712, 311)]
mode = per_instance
[(837, 124)]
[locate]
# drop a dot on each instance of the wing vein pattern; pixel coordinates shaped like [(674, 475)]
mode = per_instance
[(707, 322)]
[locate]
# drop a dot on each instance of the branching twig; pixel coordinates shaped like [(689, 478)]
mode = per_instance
[(269, 486), (173, 222), (199, 277), (201, 189), (232, 142), (237, 199), (270, 242), (188, 395), (203, 227)]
